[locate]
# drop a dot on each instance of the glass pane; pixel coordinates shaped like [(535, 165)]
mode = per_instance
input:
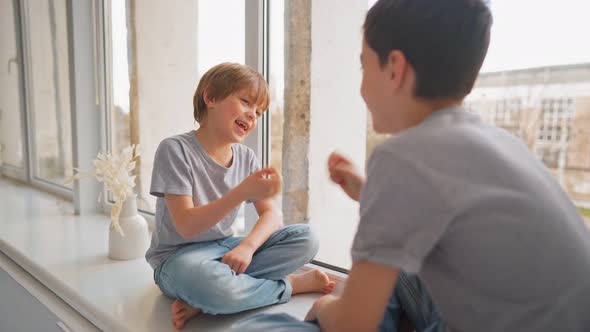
[(50, 90), (335, 105), (159, 51), (276, 84), (541, 94), (11, 136)]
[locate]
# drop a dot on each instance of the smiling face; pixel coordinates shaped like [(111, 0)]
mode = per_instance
[(234, 117), (229, 100), (375, 88), (388, 90)]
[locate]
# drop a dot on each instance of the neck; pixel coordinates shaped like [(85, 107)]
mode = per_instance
[(420, 109), (218, 150)]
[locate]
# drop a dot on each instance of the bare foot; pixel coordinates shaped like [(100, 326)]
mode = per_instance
[(314, 281), (181, 313)]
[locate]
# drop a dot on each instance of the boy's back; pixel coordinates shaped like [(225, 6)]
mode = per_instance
[(497, 242)]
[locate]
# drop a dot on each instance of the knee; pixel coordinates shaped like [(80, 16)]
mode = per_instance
[(308, 239), (211, 287), (227, 297)]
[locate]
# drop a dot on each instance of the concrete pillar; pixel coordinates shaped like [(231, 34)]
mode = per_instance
[(296, 125)]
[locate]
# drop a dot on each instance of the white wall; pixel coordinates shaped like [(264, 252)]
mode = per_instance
[(338, 121), (166, 33)]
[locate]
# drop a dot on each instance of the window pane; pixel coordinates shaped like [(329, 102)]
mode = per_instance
[(11, 136), (336, 111), (159, 51), (541, 94), (276, 83), (50, 90), (548, 106)]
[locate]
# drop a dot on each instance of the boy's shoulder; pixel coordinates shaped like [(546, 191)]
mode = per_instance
[(178, 138), (448, 129), (179, 143)]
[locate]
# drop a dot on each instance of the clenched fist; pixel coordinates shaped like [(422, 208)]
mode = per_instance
[(345, 174), (262, 184)]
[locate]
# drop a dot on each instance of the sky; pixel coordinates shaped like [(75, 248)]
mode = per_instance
[(535, 33)]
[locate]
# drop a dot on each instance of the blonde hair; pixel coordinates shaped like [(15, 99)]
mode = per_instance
[(226, 79)]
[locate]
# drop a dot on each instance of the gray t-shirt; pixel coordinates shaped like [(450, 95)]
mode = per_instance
[(489, 231), (183, 167)]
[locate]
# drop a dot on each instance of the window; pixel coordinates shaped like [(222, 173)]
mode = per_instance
[(518, 75), (556, 114), (158, 52), (49, 90), (542, 94), (315, 109), (276, 82), (507, 114), (12, 150)]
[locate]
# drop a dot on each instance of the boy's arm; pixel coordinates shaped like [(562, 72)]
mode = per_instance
[(270, 219), (191, 220), (363, 302)]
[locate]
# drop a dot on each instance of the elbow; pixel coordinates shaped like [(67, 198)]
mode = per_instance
[(184, 234), (181, 229)]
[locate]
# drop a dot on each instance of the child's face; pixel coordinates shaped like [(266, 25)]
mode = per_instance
[(234, 117), (384, 90)]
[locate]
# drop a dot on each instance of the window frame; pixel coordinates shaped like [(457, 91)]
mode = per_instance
[(8, 170)]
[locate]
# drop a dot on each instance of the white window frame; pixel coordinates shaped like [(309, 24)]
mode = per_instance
[(11, 171)]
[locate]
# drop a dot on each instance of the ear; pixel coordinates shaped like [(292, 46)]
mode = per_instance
[(208, 101), (397, 67)]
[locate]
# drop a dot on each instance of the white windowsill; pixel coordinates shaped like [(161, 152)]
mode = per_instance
[(68, 255)]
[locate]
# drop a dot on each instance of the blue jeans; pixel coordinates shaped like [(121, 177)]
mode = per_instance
[(195, 275), (409, 298)]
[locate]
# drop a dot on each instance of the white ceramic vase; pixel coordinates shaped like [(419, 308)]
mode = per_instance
[(135, 241)]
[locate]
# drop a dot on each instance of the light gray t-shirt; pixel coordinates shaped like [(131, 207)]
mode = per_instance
[(183, 167), (496, 241)]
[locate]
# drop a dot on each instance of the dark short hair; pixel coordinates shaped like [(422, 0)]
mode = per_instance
[(445, 41)]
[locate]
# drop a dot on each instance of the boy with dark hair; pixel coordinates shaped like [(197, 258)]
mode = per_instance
[(465, 205)]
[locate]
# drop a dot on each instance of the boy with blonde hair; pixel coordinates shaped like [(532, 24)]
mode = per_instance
[(200, 179)]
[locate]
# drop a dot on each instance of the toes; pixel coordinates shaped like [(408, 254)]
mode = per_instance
[(177, 317), (324, 277), (177, 306), (178, 323)]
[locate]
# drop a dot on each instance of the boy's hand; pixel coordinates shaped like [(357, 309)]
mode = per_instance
[(262, 184), (322, 301), (345, 174), (238, 259)]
